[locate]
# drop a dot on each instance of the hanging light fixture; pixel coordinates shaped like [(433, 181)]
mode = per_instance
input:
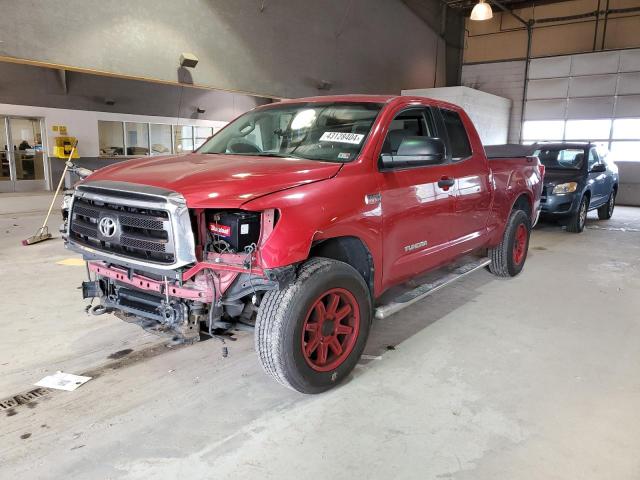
[(481, 11)]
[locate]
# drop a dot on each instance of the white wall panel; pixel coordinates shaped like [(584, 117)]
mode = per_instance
[(489, 113), (548, 88), (545, 109), (595, 63), (629, 83), (593, 86), (588, 108), (551, 67), (505, 79), (627, 106), (630, 61), (83, 124)]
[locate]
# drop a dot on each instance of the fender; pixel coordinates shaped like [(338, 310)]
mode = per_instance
[(510, 185), (330, 208)]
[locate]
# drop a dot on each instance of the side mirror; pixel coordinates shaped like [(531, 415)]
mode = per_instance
[(415, 152), (598, 168)]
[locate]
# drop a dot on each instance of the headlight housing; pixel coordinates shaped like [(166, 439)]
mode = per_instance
[(565, 188)]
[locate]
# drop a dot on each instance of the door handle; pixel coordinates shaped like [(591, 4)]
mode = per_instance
[(445, 183)]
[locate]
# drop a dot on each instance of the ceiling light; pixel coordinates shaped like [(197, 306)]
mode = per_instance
[(482, 11)]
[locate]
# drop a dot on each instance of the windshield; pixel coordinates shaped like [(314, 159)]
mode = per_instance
[(332, 132), (565, 158)]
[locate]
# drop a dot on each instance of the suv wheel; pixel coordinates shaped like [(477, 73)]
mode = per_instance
[(605, 212), (310, 334), (578, 219), (507, 259)]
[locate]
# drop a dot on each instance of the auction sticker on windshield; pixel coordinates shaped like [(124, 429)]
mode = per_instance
[(342, 137)]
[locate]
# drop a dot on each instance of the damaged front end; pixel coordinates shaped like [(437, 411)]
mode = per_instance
[(171, 269)]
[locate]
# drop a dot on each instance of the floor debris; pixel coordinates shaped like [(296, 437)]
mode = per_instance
[(63, 381)]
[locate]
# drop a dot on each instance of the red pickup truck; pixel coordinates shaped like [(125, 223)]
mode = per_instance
[(296, 218)]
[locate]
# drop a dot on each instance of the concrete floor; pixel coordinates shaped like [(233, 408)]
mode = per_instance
[(529, 378)]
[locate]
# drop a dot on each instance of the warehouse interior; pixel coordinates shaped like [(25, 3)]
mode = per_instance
[(530, 377)]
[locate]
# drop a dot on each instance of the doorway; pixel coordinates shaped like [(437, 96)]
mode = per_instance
[(22, 155)]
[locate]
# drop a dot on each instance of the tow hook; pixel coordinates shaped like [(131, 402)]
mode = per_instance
[(96, 310)]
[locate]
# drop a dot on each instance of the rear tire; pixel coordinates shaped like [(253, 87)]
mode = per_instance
[(507, 259), (605, 212), (578, 219), (310, 334)]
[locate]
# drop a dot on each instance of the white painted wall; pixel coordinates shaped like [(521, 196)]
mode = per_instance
[(505, 79), (489, 113), (84, 124)]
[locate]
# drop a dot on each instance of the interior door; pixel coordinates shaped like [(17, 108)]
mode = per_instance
[(473, 186), (416, 209), (28, 154), (22, 155), (6, 170)]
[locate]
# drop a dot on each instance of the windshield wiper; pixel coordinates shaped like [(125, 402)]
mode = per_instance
[(274, 154)]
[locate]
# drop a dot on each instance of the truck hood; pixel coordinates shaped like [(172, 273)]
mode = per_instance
[(218, 180)]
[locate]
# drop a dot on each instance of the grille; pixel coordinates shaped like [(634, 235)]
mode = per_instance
[(140, 233)]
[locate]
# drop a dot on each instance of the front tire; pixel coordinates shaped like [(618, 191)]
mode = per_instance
[(310, 335), (507, 259), (605, 212), (578, 219)]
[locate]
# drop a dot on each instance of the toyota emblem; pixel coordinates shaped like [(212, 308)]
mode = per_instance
[(107, 227)]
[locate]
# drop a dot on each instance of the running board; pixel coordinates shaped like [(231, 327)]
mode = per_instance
[(426, 289)]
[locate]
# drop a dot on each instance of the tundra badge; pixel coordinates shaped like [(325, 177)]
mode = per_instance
[(415, 246)]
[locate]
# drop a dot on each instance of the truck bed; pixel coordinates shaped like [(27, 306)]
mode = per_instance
[(508, 150)]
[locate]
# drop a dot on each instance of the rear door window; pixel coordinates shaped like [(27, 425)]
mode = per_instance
[(458, 139)]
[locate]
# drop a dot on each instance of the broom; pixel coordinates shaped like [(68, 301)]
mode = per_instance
[(43, 232)]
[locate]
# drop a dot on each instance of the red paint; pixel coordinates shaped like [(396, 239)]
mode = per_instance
[(520, 244), (330, 329), (207, 180), (320, 200)]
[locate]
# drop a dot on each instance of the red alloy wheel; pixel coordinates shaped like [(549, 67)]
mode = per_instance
[(330, 329), (520, 244)]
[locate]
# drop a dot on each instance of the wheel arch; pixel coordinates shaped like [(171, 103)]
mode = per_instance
[(350, 250), (523, 202)]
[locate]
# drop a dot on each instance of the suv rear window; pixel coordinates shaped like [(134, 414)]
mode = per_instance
[(460, 147)]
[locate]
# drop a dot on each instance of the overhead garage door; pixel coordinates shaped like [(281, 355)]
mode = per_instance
[(586, 97)]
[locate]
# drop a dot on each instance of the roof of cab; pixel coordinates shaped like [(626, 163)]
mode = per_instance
[(343, 98)]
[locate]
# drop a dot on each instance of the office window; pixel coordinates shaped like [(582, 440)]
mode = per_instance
[(587, 129), (183, 138), (137, 138), (110, 138), (626, 128), (160, 139), (201, 135), (544, 130)]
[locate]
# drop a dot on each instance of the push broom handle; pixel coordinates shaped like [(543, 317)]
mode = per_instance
[(53, 200)]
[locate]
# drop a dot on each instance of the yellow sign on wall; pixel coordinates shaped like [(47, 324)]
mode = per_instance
[(60, 129)]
